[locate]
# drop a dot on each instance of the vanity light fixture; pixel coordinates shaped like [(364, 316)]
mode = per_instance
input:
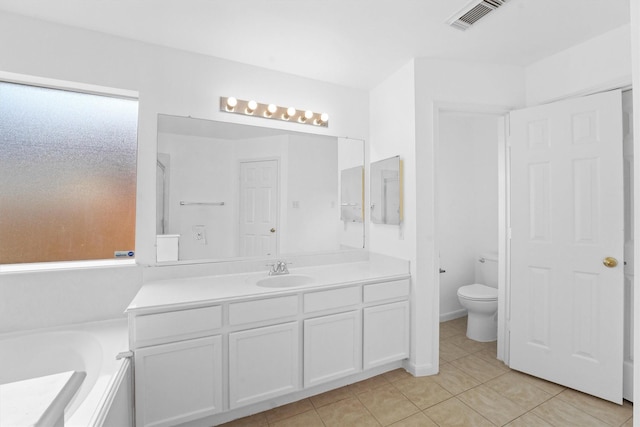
[(272, 111)]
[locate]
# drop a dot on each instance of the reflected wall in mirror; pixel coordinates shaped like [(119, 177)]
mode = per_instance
[(226, 190), (386, 191), (352, 194)]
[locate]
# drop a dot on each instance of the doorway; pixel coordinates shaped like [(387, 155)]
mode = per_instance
[(467, 201), (449, 283)]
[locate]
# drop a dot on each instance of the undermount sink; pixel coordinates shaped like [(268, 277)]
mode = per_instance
[(285, 281)]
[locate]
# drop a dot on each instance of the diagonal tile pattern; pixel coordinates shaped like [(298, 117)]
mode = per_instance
[(473, 388)]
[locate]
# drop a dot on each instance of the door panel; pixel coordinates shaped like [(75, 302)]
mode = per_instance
[(258, 207), (566, 217)]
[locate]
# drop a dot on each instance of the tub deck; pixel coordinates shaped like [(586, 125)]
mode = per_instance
[(88, 347)]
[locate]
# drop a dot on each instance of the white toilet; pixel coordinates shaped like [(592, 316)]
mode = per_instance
[(481, 300)]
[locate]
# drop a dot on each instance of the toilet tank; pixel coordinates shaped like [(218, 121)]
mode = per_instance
[(487, 269)]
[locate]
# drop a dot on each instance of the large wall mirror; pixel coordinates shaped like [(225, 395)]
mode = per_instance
[(227, 190)]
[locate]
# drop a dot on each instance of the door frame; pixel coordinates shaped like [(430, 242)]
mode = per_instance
[(500, 113)]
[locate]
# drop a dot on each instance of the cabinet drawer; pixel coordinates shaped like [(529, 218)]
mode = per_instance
[(260, 310), (176, 325), (387, 290), (335, 298)]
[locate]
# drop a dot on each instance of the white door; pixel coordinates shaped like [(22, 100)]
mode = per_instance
[(566, 219), (258, 208)]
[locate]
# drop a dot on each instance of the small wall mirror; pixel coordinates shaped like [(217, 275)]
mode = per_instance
[(227, 190), (386, 191)]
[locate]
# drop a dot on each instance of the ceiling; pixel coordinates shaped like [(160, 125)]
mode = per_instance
[(356, 43)]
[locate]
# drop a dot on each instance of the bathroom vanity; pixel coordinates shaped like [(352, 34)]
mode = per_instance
[(211, 349)]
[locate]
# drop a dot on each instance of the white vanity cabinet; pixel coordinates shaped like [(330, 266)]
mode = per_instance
[(386, 326), (178, 382), (263, 363), (332, 347), (178, 378), (332, 343), (208, 363)]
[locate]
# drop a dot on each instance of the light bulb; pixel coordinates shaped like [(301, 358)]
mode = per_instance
[(306, 116), (251, 106), (290, 113), (271, 109), (231, 103), (324, 118)]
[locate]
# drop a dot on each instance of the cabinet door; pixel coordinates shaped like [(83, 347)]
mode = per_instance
[(386, 334), (263, 363), (178, 382), (332, 347)]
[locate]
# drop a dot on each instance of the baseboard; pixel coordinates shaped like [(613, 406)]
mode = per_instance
[(420, 370), (452, 315), (627, 381)]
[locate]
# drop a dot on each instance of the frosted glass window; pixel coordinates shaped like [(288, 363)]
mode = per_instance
[(67, 175)]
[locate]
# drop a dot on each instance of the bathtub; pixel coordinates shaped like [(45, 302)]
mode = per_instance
[(89, 347)]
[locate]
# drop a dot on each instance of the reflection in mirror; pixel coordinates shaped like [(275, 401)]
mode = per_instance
[(226, 190), (352, 194), (386, 191)]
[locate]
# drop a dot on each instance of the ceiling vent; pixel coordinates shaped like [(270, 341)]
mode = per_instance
[(473, 12)]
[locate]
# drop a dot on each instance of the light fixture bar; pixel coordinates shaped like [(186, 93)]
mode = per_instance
[(272, 111)]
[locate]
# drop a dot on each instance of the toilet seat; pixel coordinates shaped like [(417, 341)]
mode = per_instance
[(478, 292)]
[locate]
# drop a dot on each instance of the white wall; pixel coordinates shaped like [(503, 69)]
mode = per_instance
[(467, 201), (168, 81), (351, 154), (402, 112), (313, 198), (392, 132), (594, 65)]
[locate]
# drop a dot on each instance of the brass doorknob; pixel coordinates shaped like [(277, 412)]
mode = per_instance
[(273, 230), (610, 262)]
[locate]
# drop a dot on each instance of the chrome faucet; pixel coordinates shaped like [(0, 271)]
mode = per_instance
[(278, 267)]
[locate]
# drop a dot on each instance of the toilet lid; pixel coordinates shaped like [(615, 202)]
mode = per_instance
[(478, 292)]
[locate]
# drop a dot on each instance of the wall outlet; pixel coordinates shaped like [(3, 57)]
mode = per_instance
[(199, 234)]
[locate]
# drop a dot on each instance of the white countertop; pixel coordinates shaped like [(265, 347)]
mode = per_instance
[(196, 291)]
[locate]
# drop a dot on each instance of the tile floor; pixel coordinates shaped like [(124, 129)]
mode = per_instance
[(473, 388)]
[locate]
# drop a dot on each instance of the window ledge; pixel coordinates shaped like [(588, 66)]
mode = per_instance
[(67, 265)]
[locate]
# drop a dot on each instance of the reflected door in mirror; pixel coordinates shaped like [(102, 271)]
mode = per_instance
[(258, 207)]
